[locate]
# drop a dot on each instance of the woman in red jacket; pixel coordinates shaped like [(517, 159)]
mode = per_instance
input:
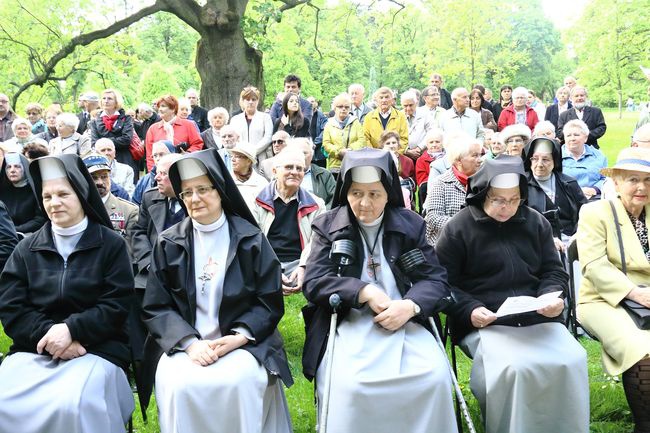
[(183, 133), (518, 112)]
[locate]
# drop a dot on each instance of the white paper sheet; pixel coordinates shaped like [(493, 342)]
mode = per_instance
[(523, 304)]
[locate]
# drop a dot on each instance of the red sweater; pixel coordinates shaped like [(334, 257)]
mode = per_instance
[(423, 166), (509, 117), (184, 131)]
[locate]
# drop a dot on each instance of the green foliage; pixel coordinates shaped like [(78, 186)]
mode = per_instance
[(156, 81)]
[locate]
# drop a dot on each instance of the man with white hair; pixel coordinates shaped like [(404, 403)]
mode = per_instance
[(285, 211), (147, 118), (518, 112), (121, 174), (229, 139), (7, 116), (359, 108), (460, 118), (317, 180), (431, 96), (419, 123), (198, 114), (592, 116)]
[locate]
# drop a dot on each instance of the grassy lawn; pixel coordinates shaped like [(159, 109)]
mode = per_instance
[(609, 412)]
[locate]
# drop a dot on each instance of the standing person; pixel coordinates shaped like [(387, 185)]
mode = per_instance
[(218, 118), (525, 366), (292, 121), (113, 123), (608, 280), (419, 124), (198, 113), (505, 100), (147, 118), (34, 112), (51, 115), (591, 116), (536, 104), (342, 132), (316, 128), (431, 96), (254, 126), (359, 108), (462, 118), (476, 102), (384, 347), (182, 132), (69, 347), (518, 112), (7, 116), (446, 100), (223, 344), (90, 102), (385, 118), (292, 84)]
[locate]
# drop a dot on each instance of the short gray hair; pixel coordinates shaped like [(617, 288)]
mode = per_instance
[(218, 110), (456, 91), (68, 119), (544, 124), (576, 124), (519, 90), (409, 94), (20, 121), (458, 145)]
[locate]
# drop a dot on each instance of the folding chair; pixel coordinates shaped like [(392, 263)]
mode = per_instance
[(572, 256)]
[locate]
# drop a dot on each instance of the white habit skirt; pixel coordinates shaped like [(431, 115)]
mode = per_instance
[(386, 382), (82, 395), (530, 379), (233, 395)]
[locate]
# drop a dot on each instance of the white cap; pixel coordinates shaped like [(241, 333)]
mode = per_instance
[(12, 158), (505, 180), (543, 146), (189, 168), (51, 168), (366, 174)]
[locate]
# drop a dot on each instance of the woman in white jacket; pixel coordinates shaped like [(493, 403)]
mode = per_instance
[(254, 126)]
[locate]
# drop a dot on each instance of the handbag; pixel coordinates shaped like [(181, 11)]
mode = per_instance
[(136, 148), (639, 314)]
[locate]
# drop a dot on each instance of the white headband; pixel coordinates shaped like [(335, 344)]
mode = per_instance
[(366, 174), (543, 146), (51, 168), (505, 180), (190, 168)]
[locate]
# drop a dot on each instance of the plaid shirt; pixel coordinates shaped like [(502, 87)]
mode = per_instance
[(445, 197)]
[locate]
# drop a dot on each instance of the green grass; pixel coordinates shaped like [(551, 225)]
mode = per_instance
[(609, 410)]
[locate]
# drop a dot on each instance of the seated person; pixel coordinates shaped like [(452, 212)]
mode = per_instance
[(607, 281), (550, 190), (318, 180), (285, 212), (216, 360), (582, 161), (64, 297), (279, 141), (433, 141), (495, 147), (17, 193), (384, 347), (515, 137), (249, 182), (121, 174), (525, 366), (389, 141), (158, 149)]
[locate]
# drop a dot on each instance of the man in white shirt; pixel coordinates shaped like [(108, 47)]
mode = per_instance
[(418, 124), (460, 118), (121, 174), (359, 108)]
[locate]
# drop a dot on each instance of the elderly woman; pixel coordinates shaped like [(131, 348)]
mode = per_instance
[(248, 181), (518, 113), (389, 141), (17, 193), (182, 132), (112, 122), (608, 280), (69, 140), (212, 305), (384, 347), (218, 117), (342, 132), (551, 192), (22, 130), (64, 298), (544, 129), (447, 193), (582, 161), (292, 121), (526, 365), (495, 147), (51, 114), (515, 137), (185, 111), (254, 126), (476, 102), (34, 112)]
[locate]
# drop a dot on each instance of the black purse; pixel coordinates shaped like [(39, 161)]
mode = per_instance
[(639, 314)]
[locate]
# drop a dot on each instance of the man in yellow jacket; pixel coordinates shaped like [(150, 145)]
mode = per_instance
[(385, 118)]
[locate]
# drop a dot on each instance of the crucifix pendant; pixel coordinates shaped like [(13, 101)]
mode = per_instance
[(209, 270), (372, 267)]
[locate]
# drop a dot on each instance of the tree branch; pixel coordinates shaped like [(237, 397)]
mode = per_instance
[(320, 55), (187, 11), (39, 21), (290, 4), (83, 40)]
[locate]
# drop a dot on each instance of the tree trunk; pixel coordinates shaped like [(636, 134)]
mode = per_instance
[(227, 64)]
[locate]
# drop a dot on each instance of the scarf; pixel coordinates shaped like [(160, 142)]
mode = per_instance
[(169, 128), (462, 178), (109, 121)]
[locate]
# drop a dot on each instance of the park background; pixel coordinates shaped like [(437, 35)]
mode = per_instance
[(56, 49)]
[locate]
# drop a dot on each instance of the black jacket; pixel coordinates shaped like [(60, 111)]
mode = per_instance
[(594, 119), (91, 292), (200, 116), (553, 113), (289, 129), (8, 237), (251, 297), (121, 135), (404, 231), (488, 261), (21, 202)]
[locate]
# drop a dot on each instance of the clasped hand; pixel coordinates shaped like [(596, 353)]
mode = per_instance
[(391, 314), (57, 341), (206, 352), (640, 295)]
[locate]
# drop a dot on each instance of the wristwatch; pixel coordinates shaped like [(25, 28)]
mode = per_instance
[(416, 308)]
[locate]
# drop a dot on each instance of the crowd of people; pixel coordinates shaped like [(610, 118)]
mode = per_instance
[(162, 240)]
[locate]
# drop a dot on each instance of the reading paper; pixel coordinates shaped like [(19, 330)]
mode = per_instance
[(523, 304)]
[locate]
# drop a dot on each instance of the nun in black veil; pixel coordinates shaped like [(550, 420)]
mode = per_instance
[(212, 305), (64, 298), (389, 374)]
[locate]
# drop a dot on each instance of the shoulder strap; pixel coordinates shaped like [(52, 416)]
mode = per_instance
[(618, 235)]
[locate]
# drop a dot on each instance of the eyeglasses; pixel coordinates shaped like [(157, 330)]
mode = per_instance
[(343, 107), (293, 167), (277, 142), (500, 202), (544, 161), (199, 190), (514, 140), (33, 113)]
